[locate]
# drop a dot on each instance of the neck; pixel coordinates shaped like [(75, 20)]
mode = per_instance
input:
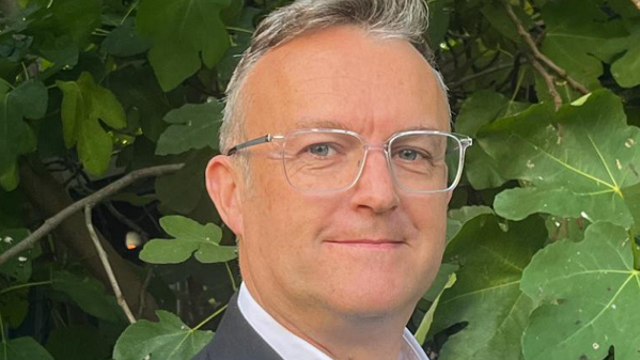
[(341, 336)]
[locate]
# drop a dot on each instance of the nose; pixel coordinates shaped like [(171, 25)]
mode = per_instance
[(375, 188)]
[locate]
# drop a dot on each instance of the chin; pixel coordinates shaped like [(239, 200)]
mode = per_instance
[(374, 299)]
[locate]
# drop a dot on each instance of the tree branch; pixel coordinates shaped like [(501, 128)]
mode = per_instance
[(539, 55), (107, 267), (557, 100), (143, 290), (51, 223)]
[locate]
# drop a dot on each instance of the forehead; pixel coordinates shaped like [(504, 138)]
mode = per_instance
[(344, 77)]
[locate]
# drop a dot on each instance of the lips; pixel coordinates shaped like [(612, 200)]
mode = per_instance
[(367, 243)]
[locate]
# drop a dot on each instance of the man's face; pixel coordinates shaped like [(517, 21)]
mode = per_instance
[(292, 249)]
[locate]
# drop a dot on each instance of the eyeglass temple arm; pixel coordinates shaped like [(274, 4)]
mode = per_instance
[(260, 140)]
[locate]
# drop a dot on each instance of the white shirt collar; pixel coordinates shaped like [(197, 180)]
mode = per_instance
[(289, 346)]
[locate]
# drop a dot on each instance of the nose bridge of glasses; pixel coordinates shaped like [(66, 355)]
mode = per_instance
[(384, 148)]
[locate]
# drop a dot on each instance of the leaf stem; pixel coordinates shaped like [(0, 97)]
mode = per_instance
[(107, 266), (634, 250), (233, 281), (237, 29), (22, 286), (24, 69), (131, 8), (210, 317)]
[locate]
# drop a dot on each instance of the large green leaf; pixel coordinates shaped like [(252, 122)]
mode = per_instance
[(190, 30), (194, 126), (487, 292), (168, 339), (24, 348), (578, 162), (29, 100), (89, 294), (592, 294), (83, 105), (482, 108), (190, 237), (572, 41)]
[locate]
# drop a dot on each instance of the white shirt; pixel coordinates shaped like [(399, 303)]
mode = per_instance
[(291, 347)]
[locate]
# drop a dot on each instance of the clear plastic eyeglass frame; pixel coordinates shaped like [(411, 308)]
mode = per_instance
[(462, 141)]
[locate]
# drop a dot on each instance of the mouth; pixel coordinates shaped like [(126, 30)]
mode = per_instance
[(373, 244)]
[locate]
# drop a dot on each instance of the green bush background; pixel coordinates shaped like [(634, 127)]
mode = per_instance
[(542, 258)]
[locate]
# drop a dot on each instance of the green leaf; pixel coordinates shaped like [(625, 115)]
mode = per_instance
[(592, 292), (124, 41), (571, 41), (626, 70), (10, 179), (72, 111), (14, 306), (31, 97), (24, 348), (83, 105), (482, 108), (498, 18), (576, 163), (61, 51), (487, 293), (240, 42), (78, 343), (18, 267), (168, 339), (458, 217), (29, 100), (427, 320), (191, 30), (195, 126), (72, 18), (138, 89), (89, 294), (190, 237), (439, 18), (189, 179)]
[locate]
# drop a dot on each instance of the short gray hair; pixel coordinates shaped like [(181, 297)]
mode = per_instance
[(399, 19)]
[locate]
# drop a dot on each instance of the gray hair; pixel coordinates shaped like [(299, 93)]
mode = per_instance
[(389, 19)]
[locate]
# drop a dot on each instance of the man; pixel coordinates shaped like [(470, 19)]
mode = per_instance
[(336, 173)]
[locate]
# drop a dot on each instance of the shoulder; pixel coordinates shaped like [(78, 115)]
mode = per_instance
[(235, 339)]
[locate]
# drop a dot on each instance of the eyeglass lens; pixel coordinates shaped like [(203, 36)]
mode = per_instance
[(323, 161)]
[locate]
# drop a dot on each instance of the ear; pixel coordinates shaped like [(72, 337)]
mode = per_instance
[(222, 185)]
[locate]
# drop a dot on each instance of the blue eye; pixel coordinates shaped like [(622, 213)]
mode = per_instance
[(408, 154), (321, 150)]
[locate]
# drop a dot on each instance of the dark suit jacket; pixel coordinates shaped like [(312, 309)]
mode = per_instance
[(235, 339)]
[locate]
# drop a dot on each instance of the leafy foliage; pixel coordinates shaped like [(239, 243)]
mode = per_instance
[(83, 104), (542, 234), (168, 339), (190, 237)]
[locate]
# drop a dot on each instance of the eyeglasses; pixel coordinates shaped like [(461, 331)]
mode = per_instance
[(326, 160)]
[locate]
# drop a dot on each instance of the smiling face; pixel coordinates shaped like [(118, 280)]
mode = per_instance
[(373, 249)]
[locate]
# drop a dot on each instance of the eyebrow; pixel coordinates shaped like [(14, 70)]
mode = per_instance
[(330, 124), (317, 123)]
